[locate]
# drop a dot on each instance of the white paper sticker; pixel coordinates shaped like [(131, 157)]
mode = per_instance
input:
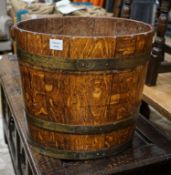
[(34, 16), (56, 44)]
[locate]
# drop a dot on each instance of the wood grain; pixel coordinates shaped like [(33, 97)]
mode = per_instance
[(159, 96), (83, 98)]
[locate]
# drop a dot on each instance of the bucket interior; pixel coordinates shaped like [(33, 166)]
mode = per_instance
[(85, 26)]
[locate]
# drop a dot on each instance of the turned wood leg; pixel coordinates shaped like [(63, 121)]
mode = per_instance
[(153, 67), (158, 49)]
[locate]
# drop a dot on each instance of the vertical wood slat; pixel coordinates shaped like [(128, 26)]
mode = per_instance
[(88, 98)]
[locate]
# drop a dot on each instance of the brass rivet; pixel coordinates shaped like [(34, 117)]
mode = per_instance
[(83, 64), (107, 64)]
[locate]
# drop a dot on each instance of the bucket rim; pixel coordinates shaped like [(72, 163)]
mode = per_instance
[(145, 33)]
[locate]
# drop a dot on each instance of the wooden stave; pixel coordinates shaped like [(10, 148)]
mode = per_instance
[(139, 46)]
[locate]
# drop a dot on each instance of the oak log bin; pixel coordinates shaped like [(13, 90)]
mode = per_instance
[(82, 82)]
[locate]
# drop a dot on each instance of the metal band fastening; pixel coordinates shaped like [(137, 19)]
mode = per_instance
[(79, 155), (82, 65), (80, 129)]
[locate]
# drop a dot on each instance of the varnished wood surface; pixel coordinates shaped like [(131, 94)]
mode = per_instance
[(149, 146), (159, 47), (159, 96), (90, 98)]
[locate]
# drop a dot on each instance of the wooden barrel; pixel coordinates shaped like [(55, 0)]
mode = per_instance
[(82, 82)]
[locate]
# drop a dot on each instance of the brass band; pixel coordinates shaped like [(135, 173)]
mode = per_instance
[(79, 155), (80, 129), (82, 65)]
